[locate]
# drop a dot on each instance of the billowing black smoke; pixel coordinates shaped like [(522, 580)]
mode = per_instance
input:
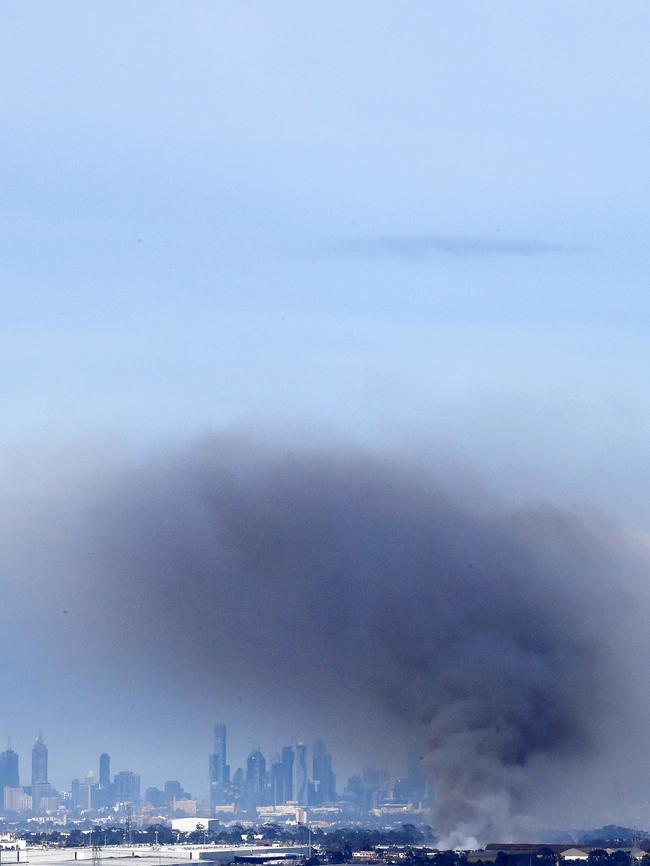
[(353, 582)]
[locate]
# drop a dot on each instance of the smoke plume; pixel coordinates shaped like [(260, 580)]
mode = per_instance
[(353, 584)]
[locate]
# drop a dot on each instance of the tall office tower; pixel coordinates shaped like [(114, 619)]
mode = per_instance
[(277, 782), (39, 761), (74, 789), (86, 795), (126, 786), (83, 793), (104, 770), (256, 773), (219, 769), (300, 775), (8, 769), (287, 763), (324, 778)]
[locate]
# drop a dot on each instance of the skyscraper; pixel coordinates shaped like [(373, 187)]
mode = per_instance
[(256, 774), (300, 775), (39, 761), (287, 764), (219, 769), (104, 770), (9, 769), (322, 774), (74, 789), (277, 782)]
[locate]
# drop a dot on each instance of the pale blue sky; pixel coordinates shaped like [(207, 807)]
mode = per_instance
[(420, 222), (214, 211)]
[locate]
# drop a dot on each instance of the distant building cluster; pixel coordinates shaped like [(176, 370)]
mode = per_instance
[(298, 779), (298, 783), (286, 779), (41, 797)]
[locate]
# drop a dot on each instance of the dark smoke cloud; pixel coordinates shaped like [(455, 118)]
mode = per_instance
[(346, 584)]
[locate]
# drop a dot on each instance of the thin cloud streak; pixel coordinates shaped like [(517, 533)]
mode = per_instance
[(427, 246)]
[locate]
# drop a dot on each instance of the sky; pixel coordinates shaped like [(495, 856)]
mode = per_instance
[(410, 227)]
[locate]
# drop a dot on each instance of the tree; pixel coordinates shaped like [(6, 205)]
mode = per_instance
[(546, 857), (598, 857), (448, 858), (75, 839), (620, 858)]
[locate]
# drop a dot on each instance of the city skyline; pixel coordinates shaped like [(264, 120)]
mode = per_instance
[(24, 757), (295, 775), (40, 758)]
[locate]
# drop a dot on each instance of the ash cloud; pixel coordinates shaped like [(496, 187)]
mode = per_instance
[(346, 584)]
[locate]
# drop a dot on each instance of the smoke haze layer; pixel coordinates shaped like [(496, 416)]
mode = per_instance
[(346, 585)]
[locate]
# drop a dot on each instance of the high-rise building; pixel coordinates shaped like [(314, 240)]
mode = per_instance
[(86, 795), (155, 797), (126, 787), (300, 775), (9, 769), (39, 761), (277, 782), (372, 787), (256, 774), (105, 770), (219, 769), (322, 774), (173, 790), (16, 800), (287, 764)]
